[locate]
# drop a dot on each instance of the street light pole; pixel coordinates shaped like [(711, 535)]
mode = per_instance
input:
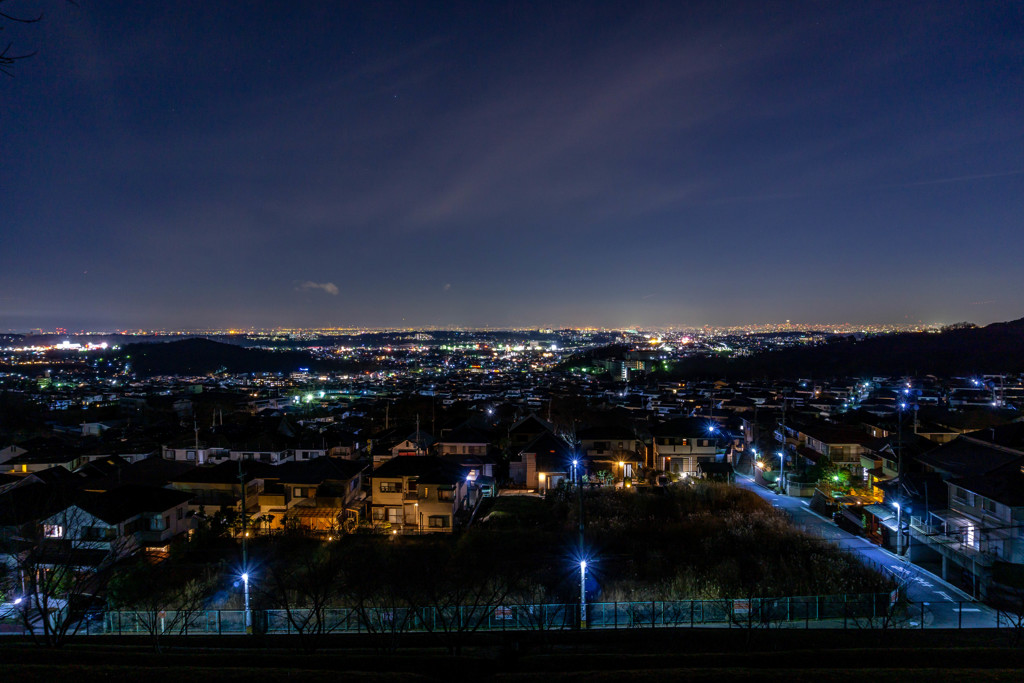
[(782, 471), (583, 594), (248, 619), (245, 553)]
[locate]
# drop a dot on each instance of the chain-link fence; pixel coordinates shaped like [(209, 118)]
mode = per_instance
[(872, 610)]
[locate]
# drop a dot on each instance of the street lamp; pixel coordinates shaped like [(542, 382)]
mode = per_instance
[(583, 594), (782, 470), (575, 478), (248, 615), (899, 529)]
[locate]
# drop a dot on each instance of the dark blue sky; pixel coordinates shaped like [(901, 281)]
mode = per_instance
[(181, 164)]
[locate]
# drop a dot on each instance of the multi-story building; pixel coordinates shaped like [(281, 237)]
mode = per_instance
[(682, 443), (418, 494)]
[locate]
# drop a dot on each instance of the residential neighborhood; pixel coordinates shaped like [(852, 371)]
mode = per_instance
[(207, 465)]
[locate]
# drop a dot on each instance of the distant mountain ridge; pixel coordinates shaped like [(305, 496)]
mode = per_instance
[(998, 347)]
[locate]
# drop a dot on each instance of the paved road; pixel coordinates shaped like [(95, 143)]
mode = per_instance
[(942, 601)]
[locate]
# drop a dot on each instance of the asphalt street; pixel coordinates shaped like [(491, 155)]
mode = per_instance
[(944, 605)]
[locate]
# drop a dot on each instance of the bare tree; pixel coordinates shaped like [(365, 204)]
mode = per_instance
[(462, 587), (374, 589), (305, 580), (165, 596), (62, 570), (8, 55)]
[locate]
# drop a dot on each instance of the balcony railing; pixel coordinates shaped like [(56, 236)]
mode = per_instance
[(935, 535)]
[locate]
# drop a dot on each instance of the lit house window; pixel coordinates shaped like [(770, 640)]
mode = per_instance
[(53, 531)]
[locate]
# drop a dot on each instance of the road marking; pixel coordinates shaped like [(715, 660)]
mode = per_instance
[(966, 609), (945, 596)]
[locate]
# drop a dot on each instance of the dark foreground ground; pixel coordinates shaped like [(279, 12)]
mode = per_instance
[(635, 655)]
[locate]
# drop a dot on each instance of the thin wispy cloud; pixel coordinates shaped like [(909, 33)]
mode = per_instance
[(328, 287)]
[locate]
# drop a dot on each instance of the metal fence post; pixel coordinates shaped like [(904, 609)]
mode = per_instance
[(922, 615), (960, 614), (691, 613)]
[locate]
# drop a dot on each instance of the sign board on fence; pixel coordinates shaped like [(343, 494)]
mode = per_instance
[(503, 613), (741, 606)]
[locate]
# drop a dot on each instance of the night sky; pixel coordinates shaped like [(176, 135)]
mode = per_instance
[(209, 164)]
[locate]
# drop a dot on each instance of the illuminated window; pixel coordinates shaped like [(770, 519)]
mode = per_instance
[(53, 531)]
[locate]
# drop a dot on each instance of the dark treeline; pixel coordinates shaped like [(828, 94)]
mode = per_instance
[(960, 351)]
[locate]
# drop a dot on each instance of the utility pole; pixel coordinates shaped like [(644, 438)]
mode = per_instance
[(899, 529), (579, 485), (899, 440)]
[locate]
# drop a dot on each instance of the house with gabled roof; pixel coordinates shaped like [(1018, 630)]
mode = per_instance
[(316, 495), (544, 463), (419, 494), (614, 449), (682, 443), (120, 522)]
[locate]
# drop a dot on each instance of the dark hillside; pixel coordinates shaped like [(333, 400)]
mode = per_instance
[(996, 348), (202, 357)]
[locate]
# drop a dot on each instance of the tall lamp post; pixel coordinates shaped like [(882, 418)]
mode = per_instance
[(782, 470), (583, 594), (248, 614), (245, 553)]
